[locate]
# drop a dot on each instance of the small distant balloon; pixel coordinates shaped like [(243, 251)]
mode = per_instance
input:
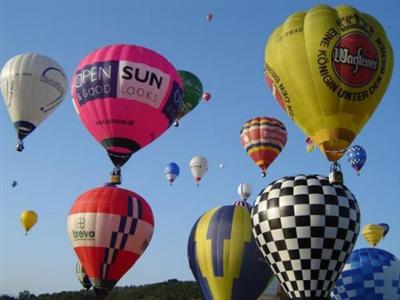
[(14, 184), (171, 171), (385, 228), (28, 218), (206, 96), (209, 17), (198, 166), (221, 166)]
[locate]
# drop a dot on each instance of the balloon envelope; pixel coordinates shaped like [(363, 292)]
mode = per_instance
[(33, 85), (373, 233), (385, 228), (171, 171), (328, 69), (223, 256), (82, 276), (244, 190), (369, 273), (306, 227), (198, 166), (357, 157), (126, 96), (263, 139), (192, 92), (109, 229), (28, 218)]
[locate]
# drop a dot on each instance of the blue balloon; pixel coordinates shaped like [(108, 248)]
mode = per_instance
[(357, 156), (385, 228), (171, 171), (369, 274)]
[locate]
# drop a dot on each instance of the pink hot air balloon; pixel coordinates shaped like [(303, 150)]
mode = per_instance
[(109, 229), (126, 96)]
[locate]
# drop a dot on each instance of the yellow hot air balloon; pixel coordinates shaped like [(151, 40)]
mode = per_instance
[(28, 218), (373, 233), (328, 69)]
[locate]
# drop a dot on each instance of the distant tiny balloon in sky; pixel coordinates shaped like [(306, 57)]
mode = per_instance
[(206, 96), (221, 166), (209, 17), (14, 183)]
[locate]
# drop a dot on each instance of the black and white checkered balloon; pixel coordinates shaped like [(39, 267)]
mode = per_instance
[(306, 227)]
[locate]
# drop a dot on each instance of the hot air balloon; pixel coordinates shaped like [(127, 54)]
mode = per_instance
[(385, 228), (356, 156), (109, 229), (306, 227), (328, 69), (32, 85), (14, 183), (28, 218), (373, 233), (263, 138), (206, 96), (198, 166), (369, 273), (82, 276), (171, 171), (223, 256), (126, 96), (244, 191), (209, 17), (192, 92)]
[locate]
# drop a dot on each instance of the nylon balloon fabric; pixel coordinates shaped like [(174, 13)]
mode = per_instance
[(328, 68), (369, 273), (126, 96), (306, 227), (109, 229), (224, 258), (263, 139)]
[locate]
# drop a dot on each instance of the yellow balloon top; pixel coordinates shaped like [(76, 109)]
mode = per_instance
[(28, 218), (372, 233), (328, 69)]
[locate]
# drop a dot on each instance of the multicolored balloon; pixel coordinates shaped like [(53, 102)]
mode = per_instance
[(263, 139), (109, 229), (198, 166), (192, 93), (357, 157), (28, 219), (126, 96), (373, 233), (244, 191), (171, 171), (33, 85), (369, 273), (329, 69), (306, 228), (223, 256), (82, 276)]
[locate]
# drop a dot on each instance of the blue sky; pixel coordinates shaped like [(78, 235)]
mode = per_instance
[(61, 160)]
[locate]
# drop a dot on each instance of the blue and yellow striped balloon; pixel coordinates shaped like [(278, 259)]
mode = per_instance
[(224, 257)]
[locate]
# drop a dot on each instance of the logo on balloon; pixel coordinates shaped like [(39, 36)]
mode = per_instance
[(355, 59)]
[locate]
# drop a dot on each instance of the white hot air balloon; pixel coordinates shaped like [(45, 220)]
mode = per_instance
[(32, 85), (198, 166), (244, 191)]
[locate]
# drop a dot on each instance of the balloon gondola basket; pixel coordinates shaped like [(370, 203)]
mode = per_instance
[(20, 146), (335, 175)]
